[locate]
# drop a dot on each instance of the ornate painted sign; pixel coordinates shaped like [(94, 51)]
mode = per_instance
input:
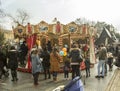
[(43, 27), (72, 27)]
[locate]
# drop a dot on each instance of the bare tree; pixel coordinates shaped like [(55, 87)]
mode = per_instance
[(21, 17), (83, 20), (2, 13), (2, 38)]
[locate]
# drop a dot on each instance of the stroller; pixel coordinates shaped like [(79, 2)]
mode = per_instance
[(74, 85)]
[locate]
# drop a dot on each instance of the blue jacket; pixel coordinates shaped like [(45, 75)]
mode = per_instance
[(36, 64)]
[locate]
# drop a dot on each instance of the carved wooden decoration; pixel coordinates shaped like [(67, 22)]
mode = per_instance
[(43, 27), (72, 27)]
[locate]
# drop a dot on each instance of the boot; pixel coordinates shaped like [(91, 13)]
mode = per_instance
[(13, 79), (86, 76), (45, 76), (89, 74), (16, 79), (53, 78), (13, 75), (49, 77)]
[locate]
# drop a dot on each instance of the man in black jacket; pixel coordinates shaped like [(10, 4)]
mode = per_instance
[(24, 51), (75, 56)]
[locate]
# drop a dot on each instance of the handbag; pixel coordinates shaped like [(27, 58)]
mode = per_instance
[(82, 65)]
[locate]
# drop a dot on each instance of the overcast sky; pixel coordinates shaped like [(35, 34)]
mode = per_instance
[(66, 10)]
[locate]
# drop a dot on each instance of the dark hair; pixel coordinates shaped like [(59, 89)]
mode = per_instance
[(74, 45), (54, 51), (102, 45), (24, 42), (44, 49), (35, 51), (12, 48)]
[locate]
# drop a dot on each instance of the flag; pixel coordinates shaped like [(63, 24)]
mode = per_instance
[(30, 42)]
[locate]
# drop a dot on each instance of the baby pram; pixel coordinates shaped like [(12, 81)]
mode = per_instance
[(74, 85)]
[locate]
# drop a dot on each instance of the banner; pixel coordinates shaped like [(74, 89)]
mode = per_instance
[(30, 42)]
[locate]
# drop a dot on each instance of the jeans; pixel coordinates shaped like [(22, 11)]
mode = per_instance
[(54, 74), (101, 64)]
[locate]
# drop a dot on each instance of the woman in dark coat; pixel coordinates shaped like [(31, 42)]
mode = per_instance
[(13, 62), (46, 63), (87, 66)]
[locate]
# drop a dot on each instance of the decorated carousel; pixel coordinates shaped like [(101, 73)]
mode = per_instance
[(58, 34)]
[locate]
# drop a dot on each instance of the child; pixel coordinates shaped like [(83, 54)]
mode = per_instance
[(87, 64), (110, 61), (66, 69)]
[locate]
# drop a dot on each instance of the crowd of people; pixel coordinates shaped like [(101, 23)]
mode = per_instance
[(106, 55), (48, 60)]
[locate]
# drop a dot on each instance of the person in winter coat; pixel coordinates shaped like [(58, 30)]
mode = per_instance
[(110, 61), (46, 63), (49, 47), (36, 66), (87, 66), (55, 63), (13, 62), (23, 53), (66, 69), (76, 58), (102, 60)]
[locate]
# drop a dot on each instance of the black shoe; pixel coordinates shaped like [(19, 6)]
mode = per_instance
[(49, 77), (16, 79), (86, 76), (97, 76), (36, 84), (0, 76), (102, 76), (89, 75), (13, 80)]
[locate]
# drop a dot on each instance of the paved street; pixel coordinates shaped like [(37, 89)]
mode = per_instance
[(114, 84), (25, 82)]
